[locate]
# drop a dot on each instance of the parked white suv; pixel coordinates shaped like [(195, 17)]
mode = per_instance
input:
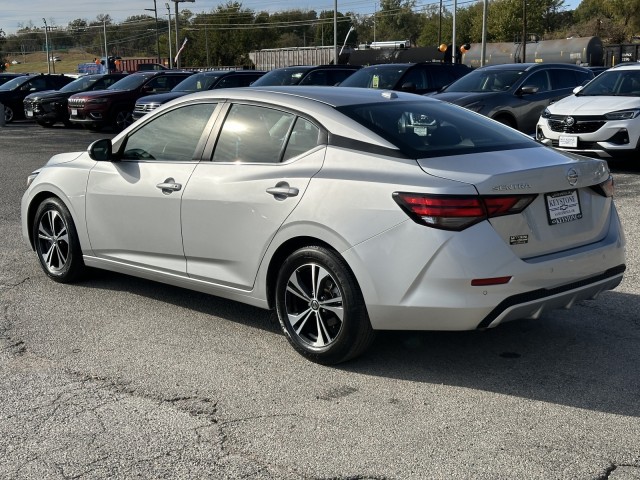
[(600, 119)]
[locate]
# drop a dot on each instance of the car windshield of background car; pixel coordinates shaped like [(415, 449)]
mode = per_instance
[(430, 129), (382, 77), (80, 85), (196, 83), (130, 82), (289, 76), (485, 81), (11, 84), (624, 83)]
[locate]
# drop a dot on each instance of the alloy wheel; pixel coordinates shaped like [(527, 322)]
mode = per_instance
[(53, 236), (314, 305)]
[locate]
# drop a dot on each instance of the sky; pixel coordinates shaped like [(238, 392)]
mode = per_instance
[(14, 14)]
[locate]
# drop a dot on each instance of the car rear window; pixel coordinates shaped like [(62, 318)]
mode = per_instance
[(382, 77), (422, 129)]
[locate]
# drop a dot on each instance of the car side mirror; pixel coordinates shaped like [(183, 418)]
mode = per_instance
[(408, 87), (528, 89), (578, 89), (101, 150), (146, 89)]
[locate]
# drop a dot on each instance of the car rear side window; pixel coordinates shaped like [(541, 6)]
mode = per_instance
[(171, 137), (252, 134), (303, 138)]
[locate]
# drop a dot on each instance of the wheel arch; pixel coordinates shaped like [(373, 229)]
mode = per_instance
[(35, 202), (509, 118), (279, 256)]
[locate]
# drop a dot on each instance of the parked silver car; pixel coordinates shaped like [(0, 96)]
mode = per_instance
[(347, 210)]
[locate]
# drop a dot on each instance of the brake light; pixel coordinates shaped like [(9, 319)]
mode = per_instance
[(456, 212), (606, 188)]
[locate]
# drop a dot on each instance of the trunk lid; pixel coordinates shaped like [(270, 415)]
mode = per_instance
[(567, 212)]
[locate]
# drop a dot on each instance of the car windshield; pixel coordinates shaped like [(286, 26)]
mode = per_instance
[(130, 82), (486, 81), (283, 76), (624, 83), (196, 83), (81, 84), (381, 76), (11, 84), (432, 128)]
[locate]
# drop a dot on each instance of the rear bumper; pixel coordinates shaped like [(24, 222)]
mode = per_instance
[(428, 285)]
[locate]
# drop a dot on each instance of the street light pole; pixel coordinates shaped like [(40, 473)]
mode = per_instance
[(46, 44), (177, 21)]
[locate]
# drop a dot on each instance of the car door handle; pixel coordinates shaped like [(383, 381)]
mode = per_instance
[(282, 190), (169, 185)]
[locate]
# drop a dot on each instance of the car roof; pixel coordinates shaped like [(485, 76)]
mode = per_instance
[(332, 96), (627, 66), (531, 66), (227, 72)]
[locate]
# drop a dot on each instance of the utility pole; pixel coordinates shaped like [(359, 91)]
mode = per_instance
[(169, 36), (483, 53), (524, 31), (46, 44), (155, 11), (106, 52), (453, 42), (335, 32)]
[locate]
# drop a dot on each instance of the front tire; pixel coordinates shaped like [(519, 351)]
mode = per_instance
[(320, 307), (56, 242), (9, 116)]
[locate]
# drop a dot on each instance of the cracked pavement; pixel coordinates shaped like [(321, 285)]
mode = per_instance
[(117, 377)]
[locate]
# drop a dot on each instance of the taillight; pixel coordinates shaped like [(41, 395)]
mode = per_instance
[(455, 212), (606, 188)]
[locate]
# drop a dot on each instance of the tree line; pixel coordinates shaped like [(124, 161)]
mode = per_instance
[(226, 34)]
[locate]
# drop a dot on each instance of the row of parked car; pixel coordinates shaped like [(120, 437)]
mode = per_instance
[(533, 98)]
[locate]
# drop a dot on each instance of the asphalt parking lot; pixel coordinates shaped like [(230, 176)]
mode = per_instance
[(118, 377)]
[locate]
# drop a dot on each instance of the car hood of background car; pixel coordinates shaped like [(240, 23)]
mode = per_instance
[(592, 104), (46, 94), (517, 171), (100, 94), (162, 97), (464, 98)]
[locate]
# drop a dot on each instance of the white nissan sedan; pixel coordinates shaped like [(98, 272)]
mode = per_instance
[(346, 210)]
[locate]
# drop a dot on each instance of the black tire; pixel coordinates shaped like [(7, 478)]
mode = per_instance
[(9, 116), (505, 120), (329, 335), (122, 119), (56, 242)]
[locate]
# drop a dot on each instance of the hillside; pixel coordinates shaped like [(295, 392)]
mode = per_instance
[(37, 62)]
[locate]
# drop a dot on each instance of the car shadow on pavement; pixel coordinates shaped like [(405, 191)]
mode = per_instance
[(587, 357)]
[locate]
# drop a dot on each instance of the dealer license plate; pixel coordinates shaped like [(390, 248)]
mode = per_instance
[(74, 112), (567, 141), (563, 207)]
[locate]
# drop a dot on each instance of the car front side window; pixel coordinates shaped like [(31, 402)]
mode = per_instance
[(171, 137)]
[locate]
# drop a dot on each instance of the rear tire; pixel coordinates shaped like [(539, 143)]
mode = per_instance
[(122, 119), (56, 242), (320, 307)]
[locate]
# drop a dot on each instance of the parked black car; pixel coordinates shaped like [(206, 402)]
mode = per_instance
[(13, 92), (323, 75), (417, 78), (49, 107), (197, 83), (5, 76), (114, 106), (516, 93)]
